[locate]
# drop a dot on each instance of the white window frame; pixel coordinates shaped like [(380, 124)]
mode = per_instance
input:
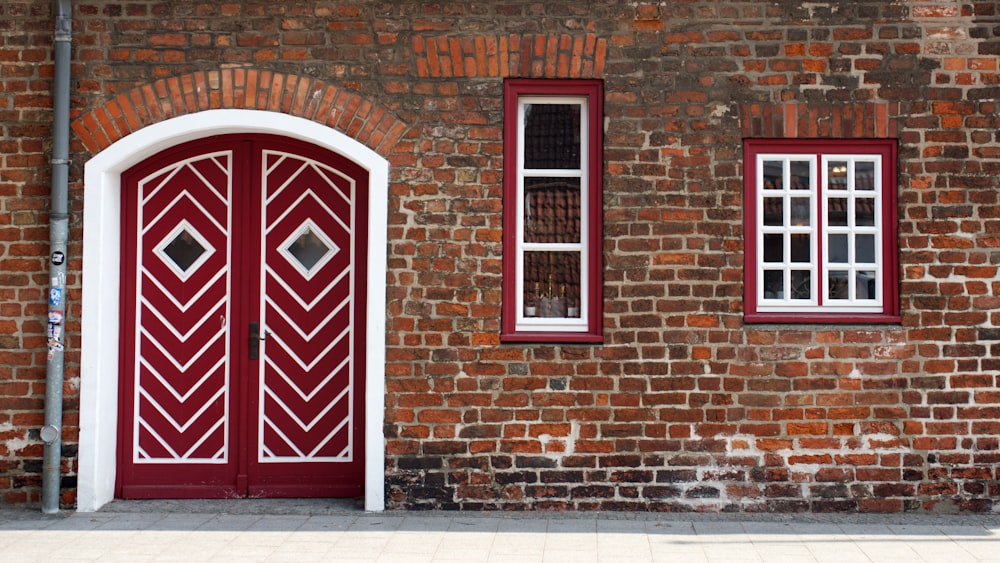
[(553, 324), (853, 266)]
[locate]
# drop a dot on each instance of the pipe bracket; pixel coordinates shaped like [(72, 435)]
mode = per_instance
[(49, 434)]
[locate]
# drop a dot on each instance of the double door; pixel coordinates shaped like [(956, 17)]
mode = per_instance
[(242, 360)]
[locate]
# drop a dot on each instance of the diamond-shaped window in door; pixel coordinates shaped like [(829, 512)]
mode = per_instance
[(308, 249), (184, 250)]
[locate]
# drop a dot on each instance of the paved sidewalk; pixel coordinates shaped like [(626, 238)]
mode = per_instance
[(303, 530)]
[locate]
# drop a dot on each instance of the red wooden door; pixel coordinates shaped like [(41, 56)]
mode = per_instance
[(243, 315)]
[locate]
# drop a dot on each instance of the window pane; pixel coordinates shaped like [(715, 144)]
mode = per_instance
[(184, 250), (773, 174), (838, 285), (308, 249), (836, 211), (864, 212), (801, 251), (836, 174), (774, 284), (552, 136), (865, 285), (864, 248), (552, 284), (864, 176), (552, 210), (774, 248), (800, 211), (800, 175), (837, 248), (774, 211), (800, 284)]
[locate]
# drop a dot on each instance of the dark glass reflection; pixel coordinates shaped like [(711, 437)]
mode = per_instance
[(552, 136), (184, 250), (864, 212), (801, 286), (864, 249), (774, 284), (837, 248), (773, 173), (774, 211), (836, 174), (864, 176), (552, 210), (837, 281), (801, 247), (774, 247), (800, 211), (800, 179), (836, 211), (308, 249), (865, 285)]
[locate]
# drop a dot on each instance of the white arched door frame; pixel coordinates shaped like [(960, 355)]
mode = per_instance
[(101, 278)]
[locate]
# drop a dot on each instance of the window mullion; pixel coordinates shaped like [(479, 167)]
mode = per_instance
[(822, 220)]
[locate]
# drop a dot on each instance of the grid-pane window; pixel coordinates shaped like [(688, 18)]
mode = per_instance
[(820, 231), (552, 186)]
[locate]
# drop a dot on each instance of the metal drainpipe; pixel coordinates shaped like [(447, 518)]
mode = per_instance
[(51, 433)]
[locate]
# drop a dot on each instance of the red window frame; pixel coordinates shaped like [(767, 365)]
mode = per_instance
[(516, 326), (758, 308)]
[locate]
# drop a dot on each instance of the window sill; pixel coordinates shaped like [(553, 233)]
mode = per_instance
[(552, 337), (821, 318)]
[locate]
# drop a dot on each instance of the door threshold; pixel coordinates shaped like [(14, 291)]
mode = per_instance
[(250, 506)]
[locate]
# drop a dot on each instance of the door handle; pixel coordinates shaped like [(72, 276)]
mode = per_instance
[(255, 339)]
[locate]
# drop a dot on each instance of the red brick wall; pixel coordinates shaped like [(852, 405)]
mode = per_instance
[(683, 407)]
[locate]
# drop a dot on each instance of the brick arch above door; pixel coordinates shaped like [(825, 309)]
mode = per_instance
[(367, 122)]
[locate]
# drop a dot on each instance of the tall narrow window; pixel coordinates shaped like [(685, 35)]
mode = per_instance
[(820, 226), (552, 211)]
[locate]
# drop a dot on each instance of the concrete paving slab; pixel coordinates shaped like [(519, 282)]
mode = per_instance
[(306, 530)]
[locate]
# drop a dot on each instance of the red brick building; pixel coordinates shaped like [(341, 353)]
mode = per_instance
[(698, 255)]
